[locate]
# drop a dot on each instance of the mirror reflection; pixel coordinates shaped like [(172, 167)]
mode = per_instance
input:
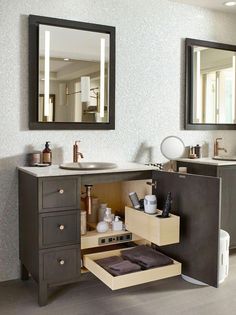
[(213, 86), (73, 75)]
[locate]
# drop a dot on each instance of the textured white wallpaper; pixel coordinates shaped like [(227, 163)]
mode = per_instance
[(149, 90)]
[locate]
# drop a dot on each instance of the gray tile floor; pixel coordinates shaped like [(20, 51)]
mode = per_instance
[(91, 297)]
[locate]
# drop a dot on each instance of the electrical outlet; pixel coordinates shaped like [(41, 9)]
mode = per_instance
[(113, 239)]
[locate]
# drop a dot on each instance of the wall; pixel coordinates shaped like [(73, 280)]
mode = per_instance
[(149, 89)]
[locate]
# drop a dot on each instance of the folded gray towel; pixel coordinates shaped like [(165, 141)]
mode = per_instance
[(146, 257), (117, 266), (124, 267), (109, 261)]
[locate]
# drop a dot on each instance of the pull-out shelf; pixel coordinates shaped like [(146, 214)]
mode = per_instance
[(130, 279), (160, 231)]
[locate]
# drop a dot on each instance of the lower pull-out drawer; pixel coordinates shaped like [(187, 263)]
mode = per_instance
[(130, 279)]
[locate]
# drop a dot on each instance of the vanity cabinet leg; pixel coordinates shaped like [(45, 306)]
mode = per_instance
[(42, 293), (24, 273)]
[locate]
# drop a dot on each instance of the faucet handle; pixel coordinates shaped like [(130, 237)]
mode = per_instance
[(217, 139), (77, 142)]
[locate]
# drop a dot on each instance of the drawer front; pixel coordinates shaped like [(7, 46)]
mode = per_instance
[(59, 194), (59, 228), (61, 265), (131, 279)]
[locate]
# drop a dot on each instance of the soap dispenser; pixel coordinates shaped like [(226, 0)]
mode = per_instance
[(47, 154), (117, 225), (108, 216)]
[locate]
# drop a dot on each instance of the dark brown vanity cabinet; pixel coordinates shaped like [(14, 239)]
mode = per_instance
[(49, 217), (49, 230), (228, 195)]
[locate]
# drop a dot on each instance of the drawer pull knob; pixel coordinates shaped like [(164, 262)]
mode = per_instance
[(61, 227), (61, 191), (61, 262)]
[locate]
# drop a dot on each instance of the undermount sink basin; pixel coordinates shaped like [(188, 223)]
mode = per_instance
[(88, 166), (224, 158)]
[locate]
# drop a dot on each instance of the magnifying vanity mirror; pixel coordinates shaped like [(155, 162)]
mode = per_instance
[(172, 148), (210, 85), (71, 74)]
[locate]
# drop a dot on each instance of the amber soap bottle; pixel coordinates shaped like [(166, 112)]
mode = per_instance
[(47, 154)]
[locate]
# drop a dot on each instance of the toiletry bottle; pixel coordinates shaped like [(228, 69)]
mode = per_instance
[(92, 218), (192, 154), (198, 151), (47, 154), (117, 225), (83, 222), (108, 216), (167, 206), (88, 199), (101, 211)]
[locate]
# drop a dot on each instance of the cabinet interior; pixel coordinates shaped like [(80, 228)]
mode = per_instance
[(116, 194)]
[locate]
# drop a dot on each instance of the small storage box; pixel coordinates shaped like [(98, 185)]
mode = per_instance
[(160, 231)]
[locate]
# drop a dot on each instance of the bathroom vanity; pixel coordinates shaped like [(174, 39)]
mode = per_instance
[(51, 245), (226, 170)]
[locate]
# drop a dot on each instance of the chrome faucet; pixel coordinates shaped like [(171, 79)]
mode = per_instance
[(76, 153), (217, 148)]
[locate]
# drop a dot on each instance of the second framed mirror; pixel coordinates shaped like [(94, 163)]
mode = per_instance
[(210, 85)]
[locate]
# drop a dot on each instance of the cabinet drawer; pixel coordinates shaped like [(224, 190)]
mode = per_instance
[(61, 265), (160, 231), (59, 228), (58, 194), (131, 279)]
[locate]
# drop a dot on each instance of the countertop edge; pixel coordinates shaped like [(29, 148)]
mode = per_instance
[(55, 170), (207, 161)]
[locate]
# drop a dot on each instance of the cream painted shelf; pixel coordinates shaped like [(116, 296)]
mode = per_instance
[(160, 231), (130, 279)]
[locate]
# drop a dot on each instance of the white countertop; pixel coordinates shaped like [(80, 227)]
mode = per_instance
[(208, 161), (54, 170)]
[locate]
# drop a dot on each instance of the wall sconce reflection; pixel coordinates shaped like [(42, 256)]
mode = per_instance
[(102, 75), (46, 73)]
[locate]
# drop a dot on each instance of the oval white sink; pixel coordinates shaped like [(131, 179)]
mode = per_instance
[(88, 166), (224, 158)]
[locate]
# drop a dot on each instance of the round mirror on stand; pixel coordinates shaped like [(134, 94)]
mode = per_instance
[(172, 148)]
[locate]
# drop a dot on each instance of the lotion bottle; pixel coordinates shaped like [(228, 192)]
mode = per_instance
[(108, 217), (117, 225), (47, 154)]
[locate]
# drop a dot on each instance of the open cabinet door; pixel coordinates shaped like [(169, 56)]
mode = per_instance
[(196, 199)]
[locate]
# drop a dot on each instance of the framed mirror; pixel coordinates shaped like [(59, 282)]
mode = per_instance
[(71, 74), (210, 85)]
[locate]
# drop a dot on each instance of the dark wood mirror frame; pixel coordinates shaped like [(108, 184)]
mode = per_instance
[(34, 22), (189, 125)]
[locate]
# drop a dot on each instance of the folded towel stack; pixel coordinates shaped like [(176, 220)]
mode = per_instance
[(133, 260), (146, 257), (124, 267), (117, 266)]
